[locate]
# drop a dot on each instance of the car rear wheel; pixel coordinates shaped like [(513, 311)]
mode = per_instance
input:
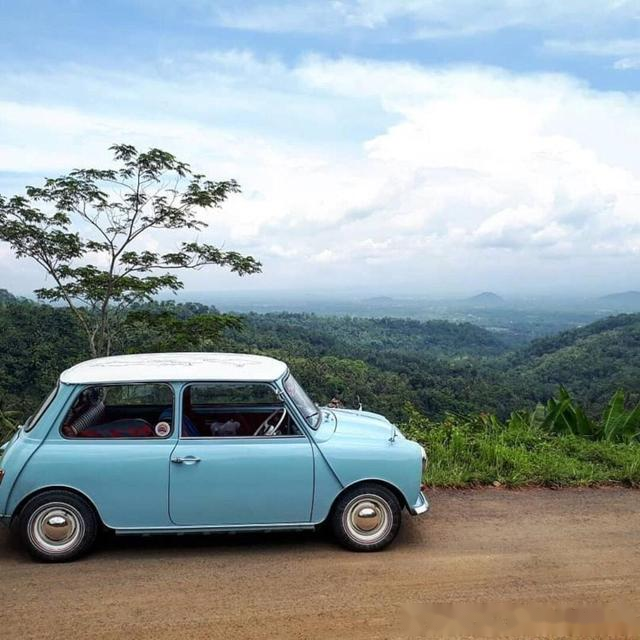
[(366, 518), (57, 526)]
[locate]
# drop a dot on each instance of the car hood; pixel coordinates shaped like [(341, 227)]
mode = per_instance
[(362, 424)]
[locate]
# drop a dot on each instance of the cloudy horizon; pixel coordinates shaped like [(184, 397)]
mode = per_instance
[(425, 146)]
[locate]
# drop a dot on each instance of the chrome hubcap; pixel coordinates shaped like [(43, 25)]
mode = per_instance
[(55, 528), (58, 527), (367, 519)]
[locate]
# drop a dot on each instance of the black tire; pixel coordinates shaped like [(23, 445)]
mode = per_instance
[(366, 517), (57, 526)]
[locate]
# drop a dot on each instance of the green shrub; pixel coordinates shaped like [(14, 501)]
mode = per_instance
[(482, 450)]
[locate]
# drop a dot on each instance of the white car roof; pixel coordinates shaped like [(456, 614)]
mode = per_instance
[(183, 367)]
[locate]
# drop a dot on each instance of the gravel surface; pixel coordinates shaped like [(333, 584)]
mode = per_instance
[(489, 547)]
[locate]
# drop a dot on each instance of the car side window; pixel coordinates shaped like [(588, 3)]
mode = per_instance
[(121, 411), (33, 419), (234, 410)]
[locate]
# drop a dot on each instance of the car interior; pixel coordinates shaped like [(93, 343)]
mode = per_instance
[(218, 410), (209, 410)]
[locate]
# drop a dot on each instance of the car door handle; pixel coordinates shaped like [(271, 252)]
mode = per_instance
[(186, 460)]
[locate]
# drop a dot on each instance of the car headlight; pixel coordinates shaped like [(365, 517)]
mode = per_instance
[(424, 459)]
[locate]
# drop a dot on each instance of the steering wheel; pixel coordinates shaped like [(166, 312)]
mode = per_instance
[(268, 429)]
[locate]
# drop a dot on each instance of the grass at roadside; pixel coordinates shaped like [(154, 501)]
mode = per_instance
[(481, 449)]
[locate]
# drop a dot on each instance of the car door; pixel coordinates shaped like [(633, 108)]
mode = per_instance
[(238, 478), (112, 446)]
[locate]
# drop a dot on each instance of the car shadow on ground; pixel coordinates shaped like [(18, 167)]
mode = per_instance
[(219, 542), (122, 547)]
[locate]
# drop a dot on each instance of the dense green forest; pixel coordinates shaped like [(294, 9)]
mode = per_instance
[(545, 413), (437, 366), (443, 367)]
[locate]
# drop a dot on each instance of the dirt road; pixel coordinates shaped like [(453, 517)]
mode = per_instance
[(481, 546)]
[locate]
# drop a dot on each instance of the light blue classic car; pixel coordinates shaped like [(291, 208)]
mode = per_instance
[(201, 442)]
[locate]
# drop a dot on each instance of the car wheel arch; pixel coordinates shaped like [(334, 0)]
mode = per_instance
[(36, 492), (369, 481)]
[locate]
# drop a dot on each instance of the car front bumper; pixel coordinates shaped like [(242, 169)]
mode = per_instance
[(421, 506)]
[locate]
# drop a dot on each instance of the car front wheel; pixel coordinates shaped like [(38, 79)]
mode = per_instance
[(366, 518), (57, 526)]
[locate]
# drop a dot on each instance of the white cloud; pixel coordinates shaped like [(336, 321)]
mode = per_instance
[(627, 51), (618, 47), (420, 18), (324, 256), (625, 64), (395, 174)]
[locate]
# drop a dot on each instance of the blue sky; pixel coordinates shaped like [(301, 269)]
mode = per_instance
[(535, 37), (426, 145)]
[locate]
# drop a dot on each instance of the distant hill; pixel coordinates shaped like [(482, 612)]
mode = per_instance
[(592, 361), (378, 300), (363, 337), (623, 300), (484, 299)]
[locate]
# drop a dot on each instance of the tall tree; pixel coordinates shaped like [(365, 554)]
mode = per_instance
[(83, 229)]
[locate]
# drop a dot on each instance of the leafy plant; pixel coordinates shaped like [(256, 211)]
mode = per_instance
[(563, 415), (619, 424)]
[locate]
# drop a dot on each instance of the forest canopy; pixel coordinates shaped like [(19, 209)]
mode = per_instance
[(436, 366)]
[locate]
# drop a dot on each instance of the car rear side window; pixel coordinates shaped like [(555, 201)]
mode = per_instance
[(121, 411), (31, 422)]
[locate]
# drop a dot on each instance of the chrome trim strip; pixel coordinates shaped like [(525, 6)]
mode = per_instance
[(218, 438), (217, 528)]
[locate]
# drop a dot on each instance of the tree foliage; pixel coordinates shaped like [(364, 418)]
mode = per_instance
[(84, 230), (165, 328)]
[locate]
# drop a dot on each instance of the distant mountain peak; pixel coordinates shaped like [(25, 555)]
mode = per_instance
[(486, 298), (378, 300)]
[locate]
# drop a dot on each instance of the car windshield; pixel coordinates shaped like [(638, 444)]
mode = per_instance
[(303, 402)]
